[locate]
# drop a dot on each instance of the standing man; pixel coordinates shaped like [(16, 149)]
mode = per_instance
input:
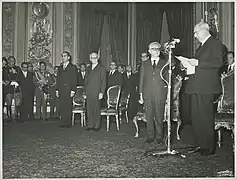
[(54, 102), (95, 84), (114, 77), (201, 88), (153, 93), (26, 84), (66, 86), (81, 74)]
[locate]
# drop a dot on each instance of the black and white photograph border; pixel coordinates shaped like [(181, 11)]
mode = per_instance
[(128, 50)]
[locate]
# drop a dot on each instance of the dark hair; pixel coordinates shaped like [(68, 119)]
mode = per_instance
[(68, 53), (4, 59), (24, 63), (29, 64), (12, 57), (42, 62), (82, 64), (231, 52)]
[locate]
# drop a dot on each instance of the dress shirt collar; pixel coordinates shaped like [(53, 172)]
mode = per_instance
[(93, 66), (65, 64), (24, 73), (206, 39)]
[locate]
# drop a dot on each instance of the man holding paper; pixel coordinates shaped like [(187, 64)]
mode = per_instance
[(201, 87)]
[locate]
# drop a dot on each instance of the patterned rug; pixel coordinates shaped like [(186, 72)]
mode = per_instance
[(43, 150)]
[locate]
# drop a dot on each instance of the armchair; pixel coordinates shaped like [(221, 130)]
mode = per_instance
[(79, 106), (113, 94)]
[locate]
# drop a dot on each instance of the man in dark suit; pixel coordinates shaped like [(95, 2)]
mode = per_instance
[(153, 93), (81, 74), (114, 77), (230, 63), (130, 87), (66, 86), (95, 84), (26, 84), (202, 87)]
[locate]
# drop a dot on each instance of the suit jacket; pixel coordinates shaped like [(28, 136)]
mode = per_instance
[(26, 83), (129, 83), (206, 79), (95, 81), (114, 79), (80, 79), (67, 77), (150, 81)]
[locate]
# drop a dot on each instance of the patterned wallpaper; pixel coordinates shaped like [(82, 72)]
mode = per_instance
[(68, 27), (8, 10)]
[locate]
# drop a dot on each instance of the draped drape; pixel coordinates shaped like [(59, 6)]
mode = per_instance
[(90, 34), (118, 38), (180, 25), (149, 25)]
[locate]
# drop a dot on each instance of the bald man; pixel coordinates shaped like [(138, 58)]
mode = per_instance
[(153, 93), (95, 84), (201, 88)]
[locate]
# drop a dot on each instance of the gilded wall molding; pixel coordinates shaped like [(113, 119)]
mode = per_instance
[(68, 27), (8, 10)]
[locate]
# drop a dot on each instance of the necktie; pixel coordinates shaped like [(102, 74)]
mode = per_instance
[(154, 64), (64, 67)]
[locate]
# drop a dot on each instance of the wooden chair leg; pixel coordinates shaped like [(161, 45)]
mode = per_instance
[(126, 114), (107, 117), (117, 121), (120, 116), (179, 122), (82, 119), (73, 116), (219, 137), (136, 126)]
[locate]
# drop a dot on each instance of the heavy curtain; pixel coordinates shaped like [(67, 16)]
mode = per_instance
[(180, 25), (91, 26), (118, 38), (149, 25)]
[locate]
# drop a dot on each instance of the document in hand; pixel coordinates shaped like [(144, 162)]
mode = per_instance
[(186, 63)]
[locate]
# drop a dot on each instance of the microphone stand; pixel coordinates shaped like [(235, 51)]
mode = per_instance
[(168, 151)]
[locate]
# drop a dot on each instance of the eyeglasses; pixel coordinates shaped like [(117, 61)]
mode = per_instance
[(195, 32), (154, 49)]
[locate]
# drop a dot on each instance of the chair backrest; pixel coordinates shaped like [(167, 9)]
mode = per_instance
[(226, 103), (124, 99), (78, 99), (113, 94)]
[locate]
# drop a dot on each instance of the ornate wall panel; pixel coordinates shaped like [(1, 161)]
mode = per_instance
[(8, 11), (68, 27)]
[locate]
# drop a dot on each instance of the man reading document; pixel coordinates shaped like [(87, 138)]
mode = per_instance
[(202, 85)]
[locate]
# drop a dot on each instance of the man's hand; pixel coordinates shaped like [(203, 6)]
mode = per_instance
[(141, 101), (100, 96), (72, 93), (84, 96), (57, 93), (193, 62)]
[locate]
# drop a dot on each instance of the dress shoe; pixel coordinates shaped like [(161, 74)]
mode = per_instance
[(149, 141), (206, 152), (89, 129), (194, 150), (96, 129)]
